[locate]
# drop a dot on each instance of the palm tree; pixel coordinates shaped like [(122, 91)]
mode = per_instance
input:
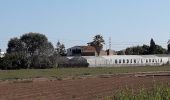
[(97, 43)]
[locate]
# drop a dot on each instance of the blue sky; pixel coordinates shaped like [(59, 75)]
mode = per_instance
[(75, 22)]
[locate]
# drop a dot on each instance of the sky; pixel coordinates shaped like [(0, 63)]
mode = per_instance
[(76, 22)]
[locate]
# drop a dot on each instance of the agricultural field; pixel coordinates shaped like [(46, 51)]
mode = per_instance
[(74, 72), (79, 83)]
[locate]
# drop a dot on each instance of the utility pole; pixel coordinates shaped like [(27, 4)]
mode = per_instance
[(110, 43)]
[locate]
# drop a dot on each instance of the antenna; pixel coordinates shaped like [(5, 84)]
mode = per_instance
[(110, 43)]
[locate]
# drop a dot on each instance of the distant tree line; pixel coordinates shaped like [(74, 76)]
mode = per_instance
[(33, 50), (144, 50)]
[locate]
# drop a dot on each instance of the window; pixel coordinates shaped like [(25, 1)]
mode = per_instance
[(153, 60), (123, 60), (149, 60), (131, 61), (141, 61), (116, 61), (161, 61), (127, 60), (119, 61), (146, 60), (134, 60)]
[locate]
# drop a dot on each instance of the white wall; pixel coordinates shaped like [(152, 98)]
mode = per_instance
[(122, 60)]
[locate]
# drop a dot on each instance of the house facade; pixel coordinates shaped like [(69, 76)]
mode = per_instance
[(81, 51), (88, 51)]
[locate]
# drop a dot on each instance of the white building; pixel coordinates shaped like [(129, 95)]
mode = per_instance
[(2, 54), (127, 60)]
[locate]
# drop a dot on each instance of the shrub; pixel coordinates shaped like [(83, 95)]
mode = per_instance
[(74, 62)]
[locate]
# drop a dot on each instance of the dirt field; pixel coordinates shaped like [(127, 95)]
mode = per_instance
[(91, 88)]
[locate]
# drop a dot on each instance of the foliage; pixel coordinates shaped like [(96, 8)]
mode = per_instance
[(60, 49), (97, 43), (160, 50), (156, 93), (36, 44), (15, 60), (58, 60), (41, 62), (152, 48), (143, 50), (138, 50), (121, 52), (32, 50), (15, 45), (74, 62)]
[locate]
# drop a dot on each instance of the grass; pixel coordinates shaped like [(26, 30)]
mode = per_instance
[(66, 72), (157, 92)]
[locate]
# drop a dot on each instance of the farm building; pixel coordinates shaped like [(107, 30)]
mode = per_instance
[(81, 51), (127, 60), (87, 51)]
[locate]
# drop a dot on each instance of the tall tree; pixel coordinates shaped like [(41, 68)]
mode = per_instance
[(169, 46), (152, 46), (60, 49), (97, 43), (34, 42)]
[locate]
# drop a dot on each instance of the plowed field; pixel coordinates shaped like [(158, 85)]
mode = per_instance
[(90, 88)]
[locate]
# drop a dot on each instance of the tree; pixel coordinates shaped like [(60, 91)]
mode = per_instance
[(60, 49), (142, 50), (145, 49), (160, 50), (137, 50), (47, 49), (97, 43), (32, 46), (34, 42), (15, 60), (121, 52), (15, 45), (152, 47)]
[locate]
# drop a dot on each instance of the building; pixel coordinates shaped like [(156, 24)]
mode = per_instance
[(81, 51), (87, 51), (127, 60)]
